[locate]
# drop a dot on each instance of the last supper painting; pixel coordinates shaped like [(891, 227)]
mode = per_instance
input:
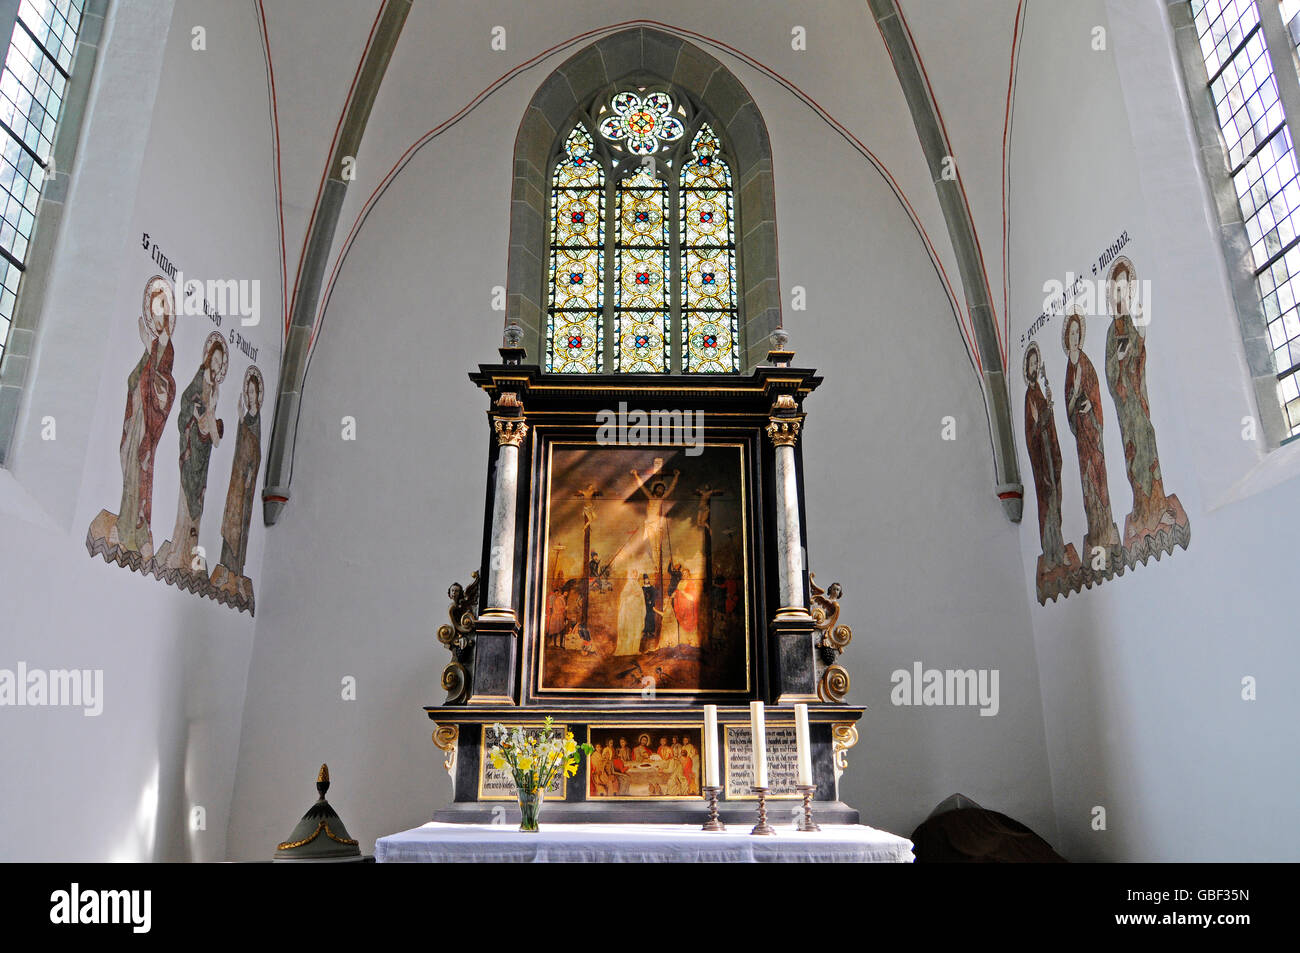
[(645, 570)]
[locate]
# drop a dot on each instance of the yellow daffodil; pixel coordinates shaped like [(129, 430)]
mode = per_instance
[(570, 745), (498, 762), (525, 763)]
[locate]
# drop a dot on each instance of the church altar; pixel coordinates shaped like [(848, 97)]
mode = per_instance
[(639, 843), (642, 580)]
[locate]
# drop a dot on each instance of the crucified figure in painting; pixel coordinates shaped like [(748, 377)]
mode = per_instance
[(588, 494), (656, 525), (706, 493)]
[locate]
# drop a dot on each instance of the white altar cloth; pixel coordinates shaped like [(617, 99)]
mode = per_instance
[(639, 843)]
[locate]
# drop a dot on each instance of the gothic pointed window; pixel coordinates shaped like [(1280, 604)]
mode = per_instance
[(708, 255), (575, 329), (643, 256), (642, 320)]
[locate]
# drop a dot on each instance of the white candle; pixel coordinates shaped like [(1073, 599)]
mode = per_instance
[(804, 746), (711, 746), (758, 732)]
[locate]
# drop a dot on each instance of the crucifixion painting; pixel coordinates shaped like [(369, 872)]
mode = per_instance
[(658, 541)]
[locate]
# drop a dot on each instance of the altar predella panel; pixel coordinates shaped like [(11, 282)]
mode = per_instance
[(646, 570), (630, 762)]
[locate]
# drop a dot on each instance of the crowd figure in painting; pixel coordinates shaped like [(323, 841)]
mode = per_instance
[(672, 769), (126, 537), (1157, 522)]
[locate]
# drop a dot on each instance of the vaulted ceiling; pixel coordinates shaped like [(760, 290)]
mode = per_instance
[(442, 64)]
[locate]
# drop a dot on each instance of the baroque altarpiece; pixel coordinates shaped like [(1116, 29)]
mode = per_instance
[(643, 556)]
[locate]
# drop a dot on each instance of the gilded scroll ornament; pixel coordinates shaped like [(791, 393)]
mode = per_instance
[(458, 637), (445, 737), (834, 684), (832, 639), (844, 736)]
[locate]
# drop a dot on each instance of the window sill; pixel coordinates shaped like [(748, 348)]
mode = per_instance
[(1277, 467), (17, 503)]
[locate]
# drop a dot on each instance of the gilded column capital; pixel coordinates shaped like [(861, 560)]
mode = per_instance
[(510, 431), (784, 431)]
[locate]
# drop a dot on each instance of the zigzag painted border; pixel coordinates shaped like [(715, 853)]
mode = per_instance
[(197, 583), (1156, 544)]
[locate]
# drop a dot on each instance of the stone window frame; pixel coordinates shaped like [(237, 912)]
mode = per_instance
[(651, 58), (1213, 158), (30, 302)]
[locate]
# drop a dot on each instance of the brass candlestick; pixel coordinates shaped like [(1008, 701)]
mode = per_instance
[(762, 826), (806, 823), (713, 823)]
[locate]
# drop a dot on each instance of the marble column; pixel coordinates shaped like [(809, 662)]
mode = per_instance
[(510, 432), (784, 431), (791, 632)]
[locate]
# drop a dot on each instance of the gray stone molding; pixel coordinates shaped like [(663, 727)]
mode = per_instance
[(315, 258), (961, 231)]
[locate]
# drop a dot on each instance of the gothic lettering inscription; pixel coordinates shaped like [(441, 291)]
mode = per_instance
[(782, 759)]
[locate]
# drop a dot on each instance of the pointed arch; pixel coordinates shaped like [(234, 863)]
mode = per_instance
[(576, 267), (655, 60), (708, 259)]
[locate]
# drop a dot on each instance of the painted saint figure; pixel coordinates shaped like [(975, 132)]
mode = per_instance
[(243, 482), (200, 431), (631, 617), (1044, 458), (1083, 411), (1126, 375), (150, 392)]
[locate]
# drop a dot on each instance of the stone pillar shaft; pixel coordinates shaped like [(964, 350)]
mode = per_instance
[(510, 433), (788, 535)]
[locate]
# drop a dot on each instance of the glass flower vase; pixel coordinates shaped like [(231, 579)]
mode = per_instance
[(530, 806)]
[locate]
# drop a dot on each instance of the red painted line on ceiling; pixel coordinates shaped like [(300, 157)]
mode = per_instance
[(275, 148), (1006, 185)]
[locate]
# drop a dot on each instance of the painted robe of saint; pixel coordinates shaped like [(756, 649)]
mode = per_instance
[(200, 431), (631, 616), (1045, 461), (150, 392), (243, 482), (1126, 375), (685, 602), (1083, 411)]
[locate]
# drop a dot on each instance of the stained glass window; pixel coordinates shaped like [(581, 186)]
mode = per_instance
[(32, 87), (641, 310), (575, 333), (1264, 171), (669, 299), (708, 257)]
